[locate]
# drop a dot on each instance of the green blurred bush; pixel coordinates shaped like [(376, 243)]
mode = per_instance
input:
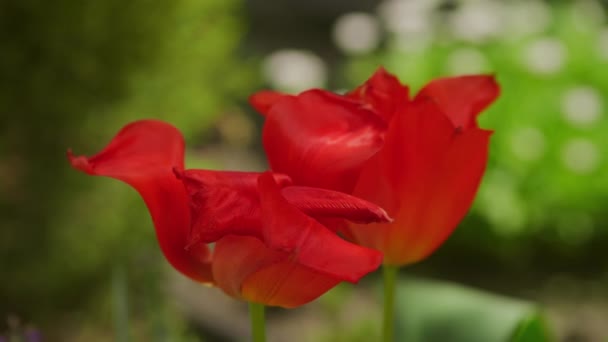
[(73, 73)]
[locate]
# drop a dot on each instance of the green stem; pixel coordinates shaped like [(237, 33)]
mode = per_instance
[(120, 305), (388, 324), (258, 322)]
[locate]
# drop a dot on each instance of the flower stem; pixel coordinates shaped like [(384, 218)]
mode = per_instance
[(388, 326), (120, 303), (258, 322)]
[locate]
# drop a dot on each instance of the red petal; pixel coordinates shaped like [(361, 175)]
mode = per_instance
[(451, 190), (462, 98), (237, 257), (141, 149), (416, 138), (429, 216), (320, 139), (246, 269), (322, 203), (313, 245), (143, 155), (224, 202), (263, 100), (426, 177), (383, 92), (287, 284)]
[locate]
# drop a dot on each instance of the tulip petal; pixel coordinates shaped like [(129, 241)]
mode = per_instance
[(451, 189), (263, 100), (383, 93), (143, 155), (323, 203), (237, 257), (320, 139), (462, 98), (388, 178), (245, 268), (288, 229), (425, 177), (223, 203), (416, 138), (287, 284)]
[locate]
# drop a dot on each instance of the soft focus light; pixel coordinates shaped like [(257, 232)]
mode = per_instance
[(582, 106), (545, 56), (478, 21), (294, 70), (580, 156), (413, 42), (587, 14), (500, 203), (411, 21), (466, 61), (236, 129), (602, 44), (528, 143), (357, 33), (528, 17), (407, 16)]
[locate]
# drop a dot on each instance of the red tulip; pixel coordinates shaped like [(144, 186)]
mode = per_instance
[(420, 159), (269, 247), (319, 138)]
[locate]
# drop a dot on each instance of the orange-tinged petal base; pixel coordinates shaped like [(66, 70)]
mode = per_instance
[(286, 284), (245, 268)]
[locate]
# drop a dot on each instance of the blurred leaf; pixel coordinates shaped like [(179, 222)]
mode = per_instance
[(532, 329), (429, 311)]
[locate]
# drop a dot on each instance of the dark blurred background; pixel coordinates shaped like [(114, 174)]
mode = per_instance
[(78, 256)]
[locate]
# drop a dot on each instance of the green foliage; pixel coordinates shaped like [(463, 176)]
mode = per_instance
[(73, 73), (430, 311), (197, 73), (360, 331), (532, 329), (360, 323)]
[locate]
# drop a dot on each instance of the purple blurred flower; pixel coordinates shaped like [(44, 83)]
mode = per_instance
[(32, 335)]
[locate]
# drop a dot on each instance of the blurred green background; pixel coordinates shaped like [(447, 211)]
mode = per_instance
[(78, 257)]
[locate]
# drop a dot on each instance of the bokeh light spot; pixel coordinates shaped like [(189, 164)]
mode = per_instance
[(407, 16), (528, 143), (528, 17), (478, 21), (545, 56), (466, 61), (357, 33), (294, 70), (580, 156), (499, 202), (410, 21), (587, 14), (582, 106), (602, 44)]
